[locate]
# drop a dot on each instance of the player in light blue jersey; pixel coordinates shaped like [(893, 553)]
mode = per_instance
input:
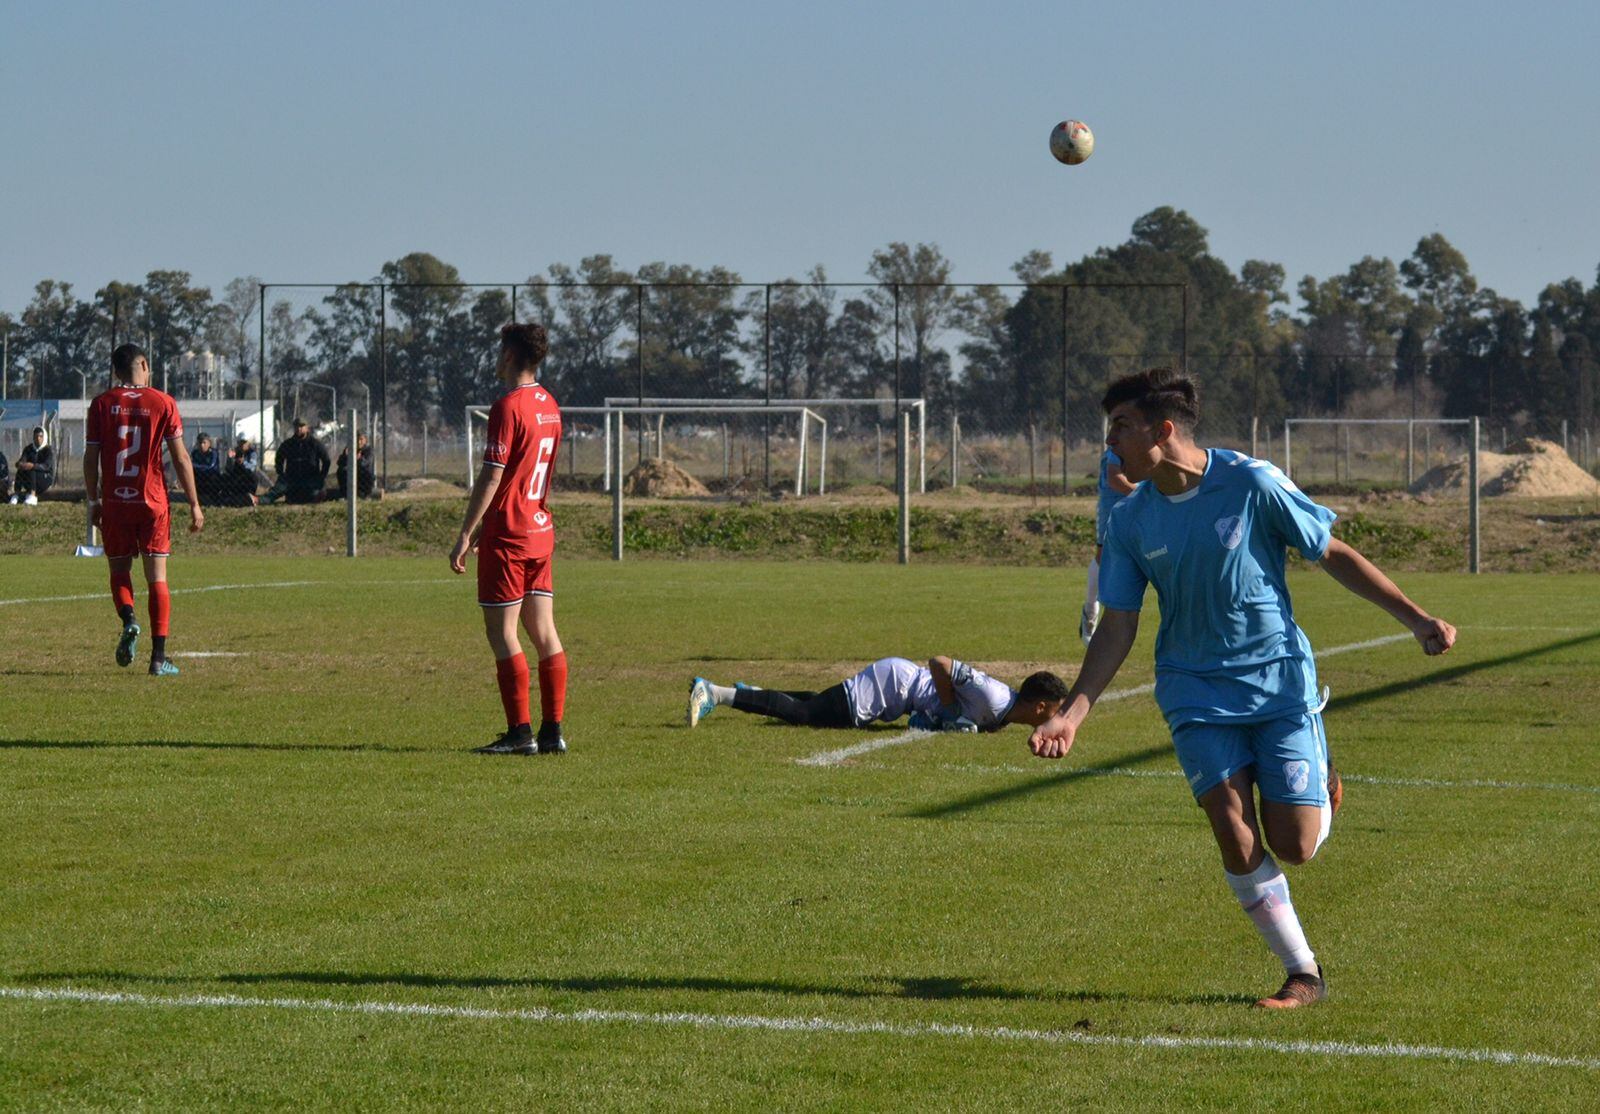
[(1234, 673), (1113, 486)]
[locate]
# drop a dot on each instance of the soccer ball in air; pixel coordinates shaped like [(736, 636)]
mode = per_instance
[(1071, 142)]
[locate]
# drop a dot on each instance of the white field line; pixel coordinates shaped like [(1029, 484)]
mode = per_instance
[(210, 654), (226, 588), (1347, 1049), (836, 757), (1360, 779)]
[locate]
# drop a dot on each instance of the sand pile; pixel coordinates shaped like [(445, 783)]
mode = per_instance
[(1530, 467), (661, 479)]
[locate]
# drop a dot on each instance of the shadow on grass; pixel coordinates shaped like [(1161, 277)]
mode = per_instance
[(1455, 673), (974, 801), (936, 988), (183, 744)]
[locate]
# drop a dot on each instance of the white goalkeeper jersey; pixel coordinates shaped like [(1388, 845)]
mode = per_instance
[(893, 687)]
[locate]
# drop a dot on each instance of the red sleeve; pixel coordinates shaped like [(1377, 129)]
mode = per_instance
[(174, 419), (497, 448), (92, 428)]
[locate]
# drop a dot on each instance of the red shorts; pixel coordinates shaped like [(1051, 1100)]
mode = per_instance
[(134, 531), (503, 580)]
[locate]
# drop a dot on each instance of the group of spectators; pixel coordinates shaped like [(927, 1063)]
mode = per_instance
[(35, 471), (301, 465), (226, 478)]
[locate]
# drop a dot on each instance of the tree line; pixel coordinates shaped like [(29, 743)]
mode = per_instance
[(1419, 337)]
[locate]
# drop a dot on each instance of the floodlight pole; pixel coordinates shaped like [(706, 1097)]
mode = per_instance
[(383, 384), (261, 375)]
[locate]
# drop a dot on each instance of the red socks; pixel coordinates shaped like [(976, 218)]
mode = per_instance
[(512, 674), (552, 687), (160, 608), (122, 590)]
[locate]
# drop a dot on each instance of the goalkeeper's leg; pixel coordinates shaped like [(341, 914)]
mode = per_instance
[(828, 708)]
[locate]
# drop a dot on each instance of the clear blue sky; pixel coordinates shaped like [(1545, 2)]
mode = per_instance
[(314, 141)]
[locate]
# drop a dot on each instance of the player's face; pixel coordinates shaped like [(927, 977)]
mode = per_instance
[(1131, 436), (504, 370)]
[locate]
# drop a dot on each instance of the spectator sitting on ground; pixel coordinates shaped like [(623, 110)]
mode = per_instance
[(207, 470), (240, 478), (366, 478), (302, 466), (36, 468), (5, 477)]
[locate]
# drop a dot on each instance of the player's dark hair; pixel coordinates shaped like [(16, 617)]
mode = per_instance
[(1161, 394), (123, 359), (528, 344), (1043, 685)]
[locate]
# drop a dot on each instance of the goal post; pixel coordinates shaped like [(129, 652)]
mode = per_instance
[(1472, 428), (916, 404)]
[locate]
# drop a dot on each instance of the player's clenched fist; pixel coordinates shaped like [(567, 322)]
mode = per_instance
[(1436, 636), (1053, 738)]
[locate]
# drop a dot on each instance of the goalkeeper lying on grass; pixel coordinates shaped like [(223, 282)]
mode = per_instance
[(947, 695)]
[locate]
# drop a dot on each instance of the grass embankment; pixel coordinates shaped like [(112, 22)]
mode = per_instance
[(1543, 535)]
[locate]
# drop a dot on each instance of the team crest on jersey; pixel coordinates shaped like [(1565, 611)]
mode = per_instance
[(1230, 530), (494, 448), (1298, 775)]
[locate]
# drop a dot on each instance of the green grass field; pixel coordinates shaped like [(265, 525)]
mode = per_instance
[(252, 850)]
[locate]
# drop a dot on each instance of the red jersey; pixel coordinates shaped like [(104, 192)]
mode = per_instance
[(524, 433), (130, 425)]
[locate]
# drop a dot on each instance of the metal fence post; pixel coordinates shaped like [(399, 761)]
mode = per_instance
[(351, 494), (1411, 453), (822, 463), (1472, 486), (1288, 455), (904, 455), (800, 463), (955, 451), (922, 448), (616, 490)]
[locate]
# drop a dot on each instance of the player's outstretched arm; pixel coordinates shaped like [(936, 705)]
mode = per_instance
[(1113, 638), (1346, 565), (483, 489), (182, 465)]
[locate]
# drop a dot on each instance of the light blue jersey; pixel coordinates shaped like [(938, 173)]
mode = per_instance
[(1109, 496), (1228, 650)]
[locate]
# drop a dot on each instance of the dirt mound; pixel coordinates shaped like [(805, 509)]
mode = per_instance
[(424, 486), (661, 479), (1530, 467)]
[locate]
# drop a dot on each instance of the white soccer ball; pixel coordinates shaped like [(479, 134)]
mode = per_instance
[(1071, 142)]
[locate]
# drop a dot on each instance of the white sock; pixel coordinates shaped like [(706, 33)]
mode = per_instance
[(721, 694), (1091, 594), (1264, 895)]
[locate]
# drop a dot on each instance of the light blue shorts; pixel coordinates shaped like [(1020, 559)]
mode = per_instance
[(1290, 756)]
